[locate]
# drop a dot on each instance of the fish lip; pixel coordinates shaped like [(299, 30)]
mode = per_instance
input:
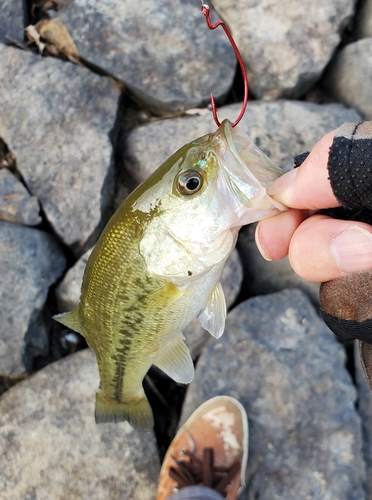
[(226, 132), (249, 171)]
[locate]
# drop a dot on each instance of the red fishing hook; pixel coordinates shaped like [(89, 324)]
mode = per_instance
[(206, 11)]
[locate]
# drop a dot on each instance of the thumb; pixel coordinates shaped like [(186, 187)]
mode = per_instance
[(308, 186)]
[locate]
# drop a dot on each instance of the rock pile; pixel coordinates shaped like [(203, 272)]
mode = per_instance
[(76, 134)]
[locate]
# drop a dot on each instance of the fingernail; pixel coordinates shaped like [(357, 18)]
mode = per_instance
[(282, 184), (258, 243), (352, 250)]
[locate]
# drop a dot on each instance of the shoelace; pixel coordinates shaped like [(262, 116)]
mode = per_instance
[(202, 472)]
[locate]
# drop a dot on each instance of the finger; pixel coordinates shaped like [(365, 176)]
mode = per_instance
[(308, 186), (323, 248), (274, 234)]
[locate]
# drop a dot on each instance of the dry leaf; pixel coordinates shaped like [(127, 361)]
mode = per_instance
[(52, 36), (53, 32), (33, 36)]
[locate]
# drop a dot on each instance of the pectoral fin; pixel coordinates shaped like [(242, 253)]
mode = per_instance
[(213, 316), (176, 361), (71, 320)]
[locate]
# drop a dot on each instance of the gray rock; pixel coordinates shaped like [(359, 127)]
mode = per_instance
[(262, 277), (31, 261), (7, 158), (4, 133), (68, 291), (11, 20), (365, 411), (281, 129), (58, 117), (37, 337), (363, 19), (348, 77), (285, 45), (163, 51), (53, 449), (231, 280), (16, 204), (286, 368)]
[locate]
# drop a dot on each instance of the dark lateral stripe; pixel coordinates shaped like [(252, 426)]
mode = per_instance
[(120, 359), (131, 326)]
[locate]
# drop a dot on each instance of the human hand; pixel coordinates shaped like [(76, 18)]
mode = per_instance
[(320, 248)]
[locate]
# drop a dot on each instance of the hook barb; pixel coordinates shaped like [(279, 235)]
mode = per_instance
[(206, 11)]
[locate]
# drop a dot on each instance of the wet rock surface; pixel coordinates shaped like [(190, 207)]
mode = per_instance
[(58, 117), (349, 74), (285, 45), (52, 448), (16, 204), (31, 261), (127, 40), (11, 20), (71, 147), (305, 434)]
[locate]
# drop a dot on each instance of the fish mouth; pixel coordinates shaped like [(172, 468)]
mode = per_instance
[(246, 173)]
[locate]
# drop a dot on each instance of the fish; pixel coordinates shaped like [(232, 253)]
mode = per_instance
[(158, 262)]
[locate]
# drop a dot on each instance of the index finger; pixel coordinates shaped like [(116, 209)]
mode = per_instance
[(308, 186)]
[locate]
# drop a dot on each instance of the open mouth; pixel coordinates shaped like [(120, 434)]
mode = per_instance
[(249, 171)]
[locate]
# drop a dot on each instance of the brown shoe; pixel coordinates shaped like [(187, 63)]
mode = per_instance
[(210, 449)]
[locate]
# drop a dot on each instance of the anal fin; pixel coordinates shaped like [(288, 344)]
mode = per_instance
[(213, 316), (176, 361)]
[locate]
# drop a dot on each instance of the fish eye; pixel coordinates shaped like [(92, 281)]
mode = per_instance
[(189, 182)]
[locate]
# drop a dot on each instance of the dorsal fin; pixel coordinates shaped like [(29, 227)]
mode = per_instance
[(71, 320)]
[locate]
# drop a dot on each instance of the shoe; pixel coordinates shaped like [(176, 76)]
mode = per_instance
[(210, 449)]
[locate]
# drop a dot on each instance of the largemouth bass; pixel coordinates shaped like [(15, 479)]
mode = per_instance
[(158, 263)]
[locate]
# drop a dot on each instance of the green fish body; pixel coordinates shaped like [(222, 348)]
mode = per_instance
[(158, 262)]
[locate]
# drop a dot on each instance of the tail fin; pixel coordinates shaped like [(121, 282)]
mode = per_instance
[(71, 320), (139, 414)]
